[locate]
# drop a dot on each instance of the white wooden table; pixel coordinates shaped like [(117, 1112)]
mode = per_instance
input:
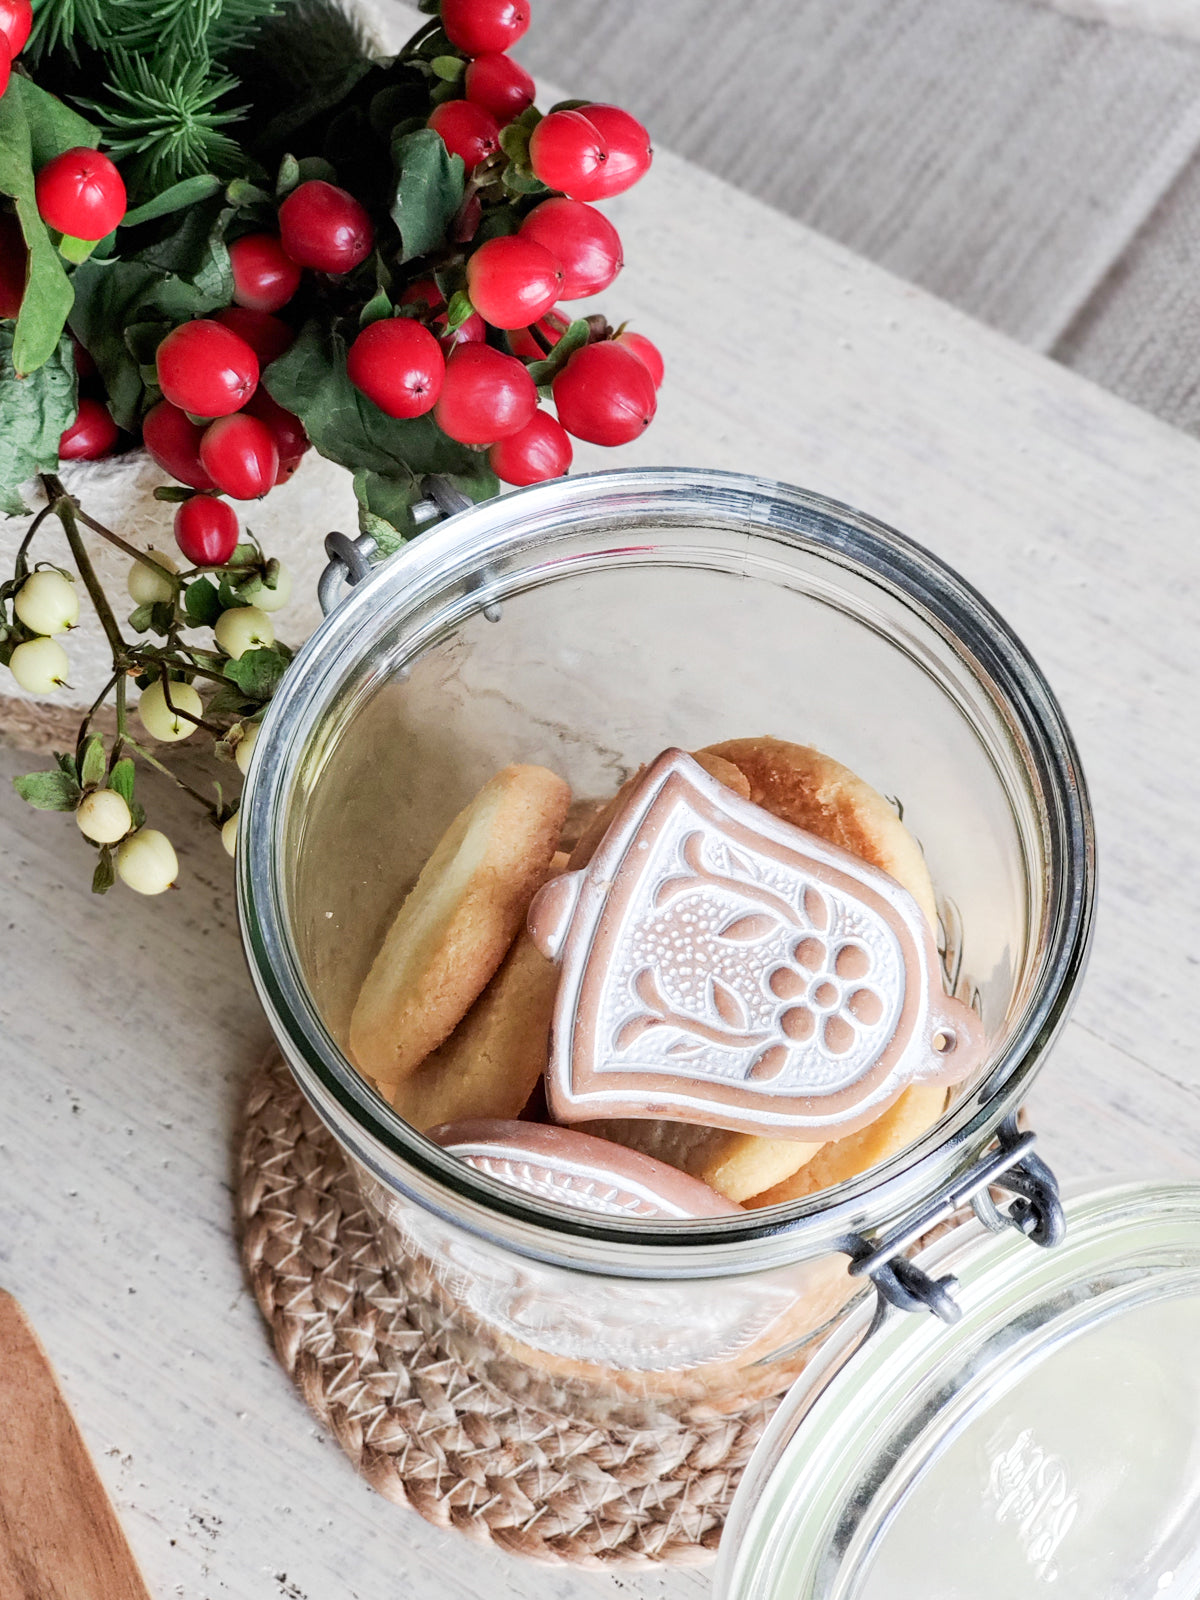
[(127, 1028)]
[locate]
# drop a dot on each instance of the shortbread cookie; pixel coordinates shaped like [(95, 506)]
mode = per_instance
[(819, 794), (493, 1062), (734, 1164), (458, 921), (917, 1109), (723, 771)]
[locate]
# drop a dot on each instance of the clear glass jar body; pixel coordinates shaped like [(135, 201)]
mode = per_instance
[(586, 625)]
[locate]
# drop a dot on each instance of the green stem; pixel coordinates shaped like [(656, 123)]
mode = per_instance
[(95, 706), (153, 761), (64, 510), (114, 755), (141, 654), (22, 567), (143, 556)]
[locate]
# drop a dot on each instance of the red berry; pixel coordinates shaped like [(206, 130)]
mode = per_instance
[(567, 153), (206, 369), (90, 436), (605, 395), (648, 354), (467, 130), (81, 194), (173, 440), (581, 239), (264, 277), (472, 331), (16, 19), (324, 227), (399, 365), (541, 450), (266, 335), (14, 263), (6, 61), (240, 455), (486, 396), (423, 293), (551, 327), (629, 152), (478, 27), (291, 441), (500, 85), (206, 530), (513, 281)]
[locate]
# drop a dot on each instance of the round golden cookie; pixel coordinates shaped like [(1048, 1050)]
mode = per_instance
[(494, 1060), (917, 1109), (813, 791), (458, 921)]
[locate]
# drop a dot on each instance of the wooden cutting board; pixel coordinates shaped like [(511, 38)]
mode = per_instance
[(59, 1536)]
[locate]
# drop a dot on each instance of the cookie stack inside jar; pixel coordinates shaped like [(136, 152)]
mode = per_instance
[(730, 941)]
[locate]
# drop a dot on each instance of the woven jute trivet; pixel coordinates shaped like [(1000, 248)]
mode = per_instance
[(380, 1367)]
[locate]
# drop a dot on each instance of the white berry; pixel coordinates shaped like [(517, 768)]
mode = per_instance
[(103, 816), (229, 834), (244, 628), (148, 587), (47, 602), (39, 665), (147, 863), (245, 745), (275, 599), (159, 720)]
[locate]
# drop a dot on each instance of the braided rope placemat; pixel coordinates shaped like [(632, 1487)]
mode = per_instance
[(381, 1367)]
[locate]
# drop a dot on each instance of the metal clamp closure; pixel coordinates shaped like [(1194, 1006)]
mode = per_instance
[(350, 559), (1035, 1210)]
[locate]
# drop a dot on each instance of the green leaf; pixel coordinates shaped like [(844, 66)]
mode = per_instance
[(317, 167), (121, 779), (105, 874), (517, 180), (429, 190), (392, 453), (228, 700), (202, 603), (459, 309), (449, 68), (34, 127), (288, 178), (244, 195), (575, 338), (514, 141), (257, 672), (48, 791), (66, 763), (188, 192), (376, 309), (181, 276), (34, 412), (91, 768), (76, 250)]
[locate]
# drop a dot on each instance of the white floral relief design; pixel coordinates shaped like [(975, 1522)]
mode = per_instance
[(569, 1185), (736, 968)]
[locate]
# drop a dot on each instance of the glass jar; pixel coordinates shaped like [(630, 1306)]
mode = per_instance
[(585, 625)]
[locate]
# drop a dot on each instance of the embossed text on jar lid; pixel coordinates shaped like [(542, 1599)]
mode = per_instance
[(1049, 1442)]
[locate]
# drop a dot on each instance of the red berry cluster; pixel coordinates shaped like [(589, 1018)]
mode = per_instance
[(475, 380), (216, 429)]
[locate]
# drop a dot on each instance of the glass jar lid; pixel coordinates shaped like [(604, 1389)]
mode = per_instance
[(1048, 1441)]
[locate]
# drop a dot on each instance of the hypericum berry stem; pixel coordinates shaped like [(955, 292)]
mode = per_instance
[(153, 761), (64, 510)]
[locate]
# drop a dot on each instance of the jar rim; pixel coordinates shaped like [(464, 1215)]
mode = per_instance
[(402, 1159)]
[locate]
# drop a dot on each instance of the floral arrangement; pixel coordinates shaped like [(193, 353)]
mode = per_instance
[(229, 234)]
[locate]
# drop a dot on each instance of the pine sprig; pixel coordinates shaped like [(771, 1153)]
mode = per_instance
[(165, 118), (216, 26), (67, 25)]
